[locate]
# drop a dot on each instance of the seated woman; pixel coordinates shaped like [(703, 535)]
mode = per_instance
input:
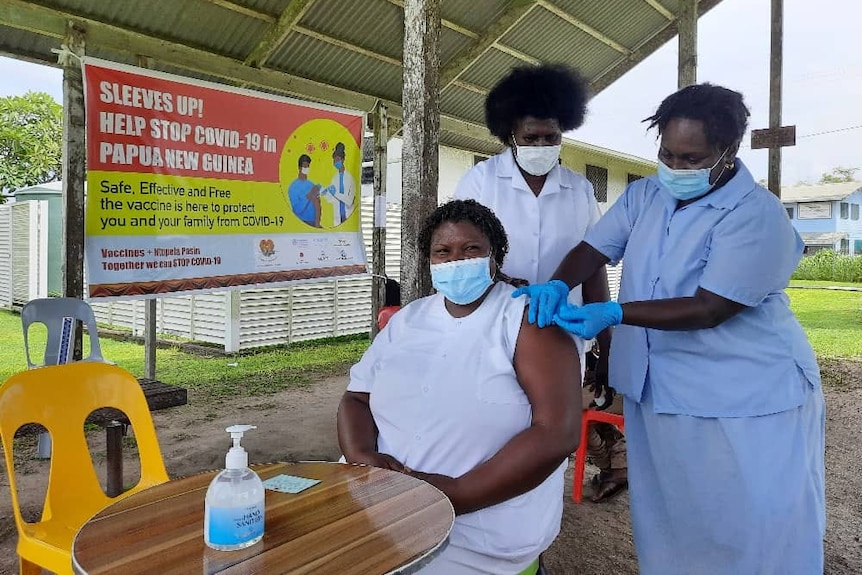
[(461, 391)]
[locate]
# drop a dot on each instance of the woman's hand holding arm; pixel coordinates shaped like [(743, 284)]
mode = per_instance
[(357, 433), (548, 369), (580, 264)]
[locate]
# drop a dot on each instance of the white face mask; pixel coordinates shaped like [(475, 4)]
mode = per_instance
[(305, 170), (537, 160)]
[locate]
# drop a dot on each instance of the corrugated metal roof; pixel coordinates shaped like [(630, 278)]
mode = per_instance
[(350, 51), (464, 103), (351, 21), (271, 7), (489, 68), (193, 23), (638, 18), (473, 15), (311, 58), (570, 45), (819, 192)]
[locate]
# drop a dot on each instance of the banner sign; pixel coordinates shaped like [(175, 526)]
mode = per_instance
[(197, 186)]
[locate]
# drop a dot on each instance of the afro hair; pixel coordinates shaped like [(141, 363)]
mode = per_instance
[(550, 91)]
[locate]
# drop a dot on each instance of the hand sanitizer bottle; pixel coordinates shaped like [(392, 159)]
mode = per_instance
[(233, 512)]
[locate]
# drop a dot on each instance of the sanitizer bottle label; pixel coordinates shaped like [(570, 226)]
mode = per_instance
[(235, 525)]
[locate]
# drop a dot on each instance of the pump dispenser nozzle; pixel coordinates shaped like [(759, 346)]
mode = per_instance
[(237, 457)]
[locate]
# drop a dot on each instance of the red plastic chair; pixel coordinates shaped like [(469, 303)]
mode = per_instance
[(385, 314), (589, 417)]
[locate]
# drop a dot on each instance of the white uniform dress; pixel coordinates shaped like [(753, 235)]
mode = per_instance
[(541, 229), (445, 398), (343, 197)]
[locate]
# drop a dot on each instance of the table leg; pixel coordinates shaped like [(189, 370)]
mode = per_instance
[(114, 459)]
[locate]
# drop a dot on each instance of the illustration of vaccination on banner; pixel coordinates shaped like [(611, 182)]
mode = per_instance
[(193, 185)]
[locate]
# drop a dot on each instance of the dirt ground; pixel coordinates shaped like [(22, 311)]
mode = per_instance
[(300, 425)]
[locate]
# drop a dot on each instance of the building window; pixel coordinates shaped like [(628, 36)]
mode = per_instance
[(814, 211), (789, 212), (367, 174), (633, 178), (854, 211), (598, 177), (845, 208), (845, 247)]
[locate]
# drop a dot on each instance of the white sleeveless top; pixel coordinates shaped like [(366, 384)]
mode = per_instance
[(445, 398)]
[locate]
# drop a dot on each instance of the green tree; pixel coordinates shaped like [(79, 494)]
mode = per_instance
[(31, 140), (838, 175)]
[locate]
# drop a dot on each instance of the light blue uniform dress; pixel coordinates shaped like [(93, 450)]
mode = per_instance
[(725, 426)]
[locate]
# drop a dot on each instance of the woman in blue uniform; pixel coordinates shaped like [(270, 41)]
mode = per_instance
[(723, 405)]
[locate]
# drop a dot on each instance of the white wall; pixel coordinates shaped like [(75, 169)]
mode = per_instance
[(454, 162)]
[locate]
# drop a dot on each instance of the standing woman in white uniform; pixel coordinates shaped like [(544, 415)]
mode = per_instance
[(461, 391), (546, 210)]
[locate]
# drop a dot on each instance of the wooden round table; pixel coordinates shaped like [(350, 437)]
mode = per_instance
[(357, 520)]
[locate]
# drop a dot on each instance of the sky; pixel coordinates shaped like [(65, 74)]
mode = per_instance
[(822, 84)]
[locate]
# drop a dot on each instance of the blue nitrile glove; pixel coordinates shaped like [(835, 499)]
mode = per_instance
[(587, 321), (545, 300)]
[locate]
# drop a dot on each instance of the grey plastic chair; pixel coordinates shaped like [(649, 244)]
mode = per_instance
[(53, 312), (60, 316)]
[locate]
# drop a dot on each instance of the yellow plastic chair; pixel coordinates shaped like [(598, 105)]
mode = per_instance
[(74, 493)]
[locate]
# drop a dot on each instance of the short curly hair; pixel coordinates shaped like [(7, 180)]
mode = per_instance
[(467, 211), (549, 91), (722, 111)]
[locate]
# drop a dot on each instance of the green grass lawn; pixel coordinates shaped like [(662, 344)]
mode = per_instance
[(819, 283), (831, 318), (254, 373)]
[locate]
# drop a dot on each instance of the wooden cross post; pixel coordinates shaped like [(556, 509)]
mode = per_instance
[(776, 136)]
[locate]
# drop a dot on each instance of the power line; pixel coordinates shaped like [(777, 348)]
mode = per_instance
[(848, 128)]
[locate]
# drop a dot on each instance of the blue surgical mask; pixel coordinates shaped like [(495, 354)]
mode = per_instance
[(339, 164), (687, 184), (462, 281)]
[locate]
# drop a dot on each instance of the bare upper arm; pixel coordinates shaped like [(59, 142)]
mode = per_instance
[(548, 367), (718, 308)]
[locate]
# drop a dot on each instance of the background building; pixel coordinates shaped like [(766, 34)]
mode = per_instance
[(826, 216)]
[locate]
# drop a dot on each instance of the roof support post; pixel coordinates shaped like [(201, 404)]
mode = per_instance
[(380, 127), (150, 311), (775, 66), (687, 28), (74, 172), (420, 153)]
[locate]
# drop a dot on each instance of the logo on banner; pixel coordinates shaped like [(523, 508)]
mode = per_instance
[(266, 253)]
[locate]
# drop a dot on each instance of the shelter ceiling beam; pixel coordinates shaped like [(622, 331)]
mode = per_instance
[(52, 23), (516, 12), (471, 87), (240, 9), (475, 36), (626, 63), (446, 23), (563, 15), (346, 45), (276, 34), (516, 54), (660, 9)]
